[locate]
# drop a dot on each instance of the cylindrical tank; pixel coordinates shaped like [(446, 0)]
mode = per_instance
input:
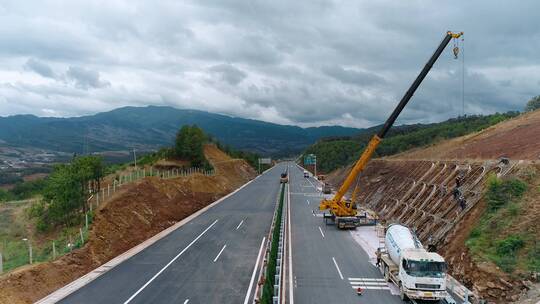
[(399, 238)]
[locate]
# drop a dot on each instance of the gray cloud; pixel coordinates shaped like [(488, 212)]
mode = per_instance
[(85, 78), (300, 62), (40, 68), (229, 73), (352, 76)]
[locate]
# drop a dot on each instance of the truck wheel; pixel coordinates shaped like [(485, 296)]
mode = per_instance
[(402, 294)]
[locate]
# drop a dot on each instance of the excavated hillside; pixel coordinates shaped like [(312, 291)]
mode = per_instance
[(137, 213), (517, 138), (416, 188)]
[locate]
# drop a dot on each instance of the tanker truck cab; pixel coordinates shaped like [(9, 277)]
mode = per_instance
[(422, 275), (419, 274)]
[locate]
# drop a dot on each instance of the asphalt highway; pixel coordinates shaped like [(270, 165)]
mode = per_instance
[(327, 262), (212, 258), (209, 260)]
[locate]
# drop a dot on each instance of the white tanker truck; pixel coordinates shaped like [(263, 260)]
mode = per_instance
[(419, 274)]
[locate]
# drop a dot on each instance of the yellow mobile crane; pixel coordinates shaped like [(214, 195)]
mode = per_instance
[(343, 213)]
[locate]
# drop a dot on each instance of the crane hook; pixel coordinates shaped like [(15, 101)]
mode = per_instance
[(456, 52)]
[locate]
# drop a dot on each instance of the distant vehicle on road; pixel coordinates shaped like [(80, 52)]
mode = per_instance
[(284, 178), (306, 174), (326, 189)]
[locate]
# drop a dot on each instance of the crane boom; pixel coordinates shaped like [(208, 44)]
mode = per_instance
[(340, 208)]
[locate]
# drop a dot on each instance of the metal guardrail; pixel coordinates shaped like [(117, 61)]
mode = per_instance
[(280, 258), (259, 295)]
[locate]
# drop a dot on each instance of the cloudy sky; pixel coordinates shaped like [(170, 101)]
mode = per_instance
[(297, 62)]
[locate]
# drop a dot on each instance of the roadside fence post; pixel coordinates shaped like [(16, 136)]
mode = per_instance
[(144, 172), (30, 251), (103, 192), (114, 186), (53, 250), (97, 199), (1, 265), (82, 238), (108, 190), (86, 220)]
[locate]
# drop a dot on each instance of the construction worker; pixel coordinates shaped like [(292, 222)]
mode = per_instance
[(456, 192), (378, 254), (444, 190), (459, 180), (462, 203)]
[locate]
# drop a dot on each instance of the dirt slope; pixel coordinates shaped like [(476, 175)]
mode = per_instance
[(517, 138), (414, 188), (147, 207)]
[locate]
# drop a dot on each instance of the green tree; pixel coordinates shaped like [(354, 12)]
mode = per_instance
[(5, 195), (189, 144), (533, 104), (66, 191)]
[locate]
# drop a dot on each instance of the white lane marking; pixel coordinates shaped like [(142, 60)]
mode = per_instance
[(186, 301), (312, 184), (291, 292), (307, 201), (321, 231), (371, 287), (217, 256), (366, 279), (169, 264), (337, 267), (369, 283), (246, 300), (240, 224)]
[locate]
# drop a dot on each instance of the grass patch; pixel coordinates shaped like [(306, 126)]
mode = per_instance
[(15, 251), (486, 241)]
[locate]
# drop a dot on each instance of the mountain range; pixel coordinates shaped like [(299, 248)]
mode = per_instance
[(152, 127)]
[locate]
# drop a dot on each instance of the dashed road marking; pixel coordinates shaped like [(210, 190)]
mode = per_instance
[(239, 224), (337, 267), (321, 231), (169, 264), (220, 252), (186, 301)]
